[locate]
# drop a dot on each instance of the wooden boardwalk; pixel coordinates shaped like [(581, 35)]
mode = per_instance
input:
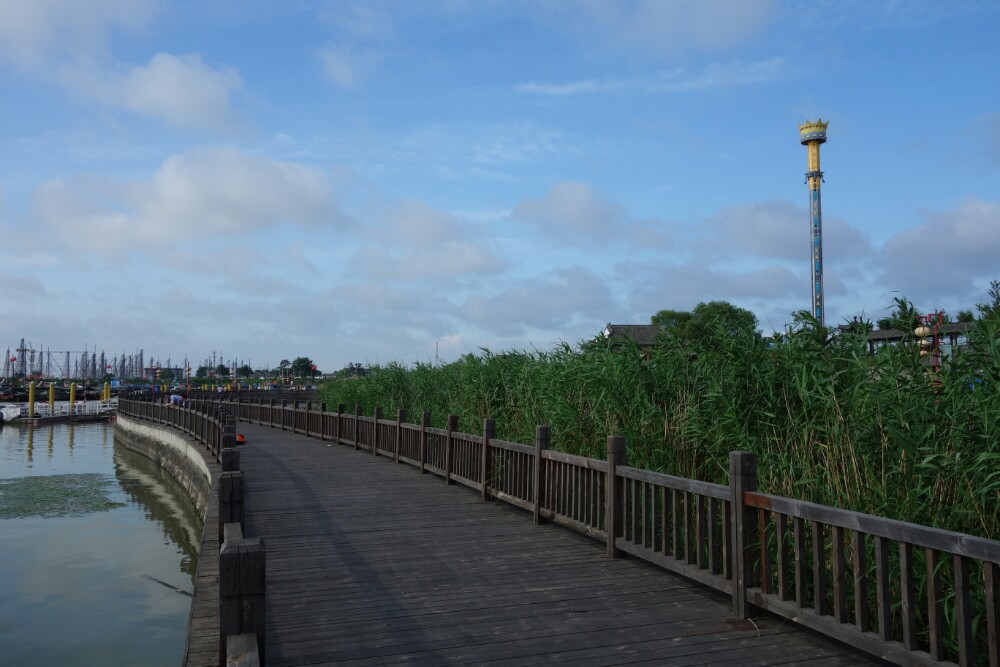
[(372, 563)]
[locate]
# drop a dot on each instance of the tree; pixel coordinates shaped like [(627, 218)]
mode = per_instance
[(992, 308), (221, 371), (709, 320), (244, 371), (671, 320), (965, 316), (302, 367), (202, 372)]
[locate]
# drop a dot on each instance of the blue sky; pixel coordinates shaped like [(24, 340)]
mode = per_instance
[(374, 181)]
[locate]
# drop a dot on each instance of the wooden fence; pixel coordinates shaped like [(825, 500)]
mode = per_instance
[(242, 560), (908, 593)]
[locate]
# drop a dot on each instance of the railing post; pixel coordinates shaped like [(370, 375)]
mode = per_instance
[(449, 446), (242, 567), (309, 407), (400, 416), (612, 492), (543, 434), (489, 432), (425, 421), (228, 433), (284, 406), (357, 423), (230, 500), (322, 421), (742, 478), (338, 431), (378, 415), (230, 459)]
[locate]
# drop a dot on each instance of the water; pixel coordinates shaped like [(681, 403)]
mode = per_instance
[(95, 540)]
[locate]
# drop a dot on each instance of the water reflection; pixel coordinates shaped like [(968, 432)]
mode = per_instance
[(86, 589), (164, 502)]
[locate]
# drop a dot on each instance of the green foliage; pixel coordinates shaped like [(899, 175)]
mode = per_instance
[(965, 316), (831, 423), (302, 367), (202, 372), (244, 371), (671, 319), (221, 371)]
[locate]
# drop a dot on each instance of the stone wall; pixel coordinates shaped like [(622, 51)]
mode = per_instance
[(179, 455)]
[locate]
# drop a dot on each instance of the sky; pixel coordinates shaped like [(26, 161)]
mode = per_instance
[(410, 181)]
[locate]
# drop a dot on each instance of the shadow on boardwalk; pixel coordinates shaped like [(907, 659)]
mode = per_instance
[(371, 563)]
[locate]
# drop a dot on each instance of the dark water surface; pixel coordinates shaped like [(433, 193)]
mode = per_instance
[(95, 544)]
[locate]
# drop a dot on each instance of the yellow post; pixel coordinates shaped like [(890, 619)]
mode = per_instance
[(107, 391), (72, 396), (31, 399), (52, 399)]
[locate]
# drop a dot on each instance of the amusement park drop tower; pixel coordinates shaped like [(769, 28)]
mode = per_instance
[(811, 135)]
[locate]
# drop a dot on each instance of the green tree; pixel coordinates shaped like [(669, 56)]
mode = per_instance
[(718, 318), (993, 306), (965, 316), (302, 367), (202, 372), (244, 371), (221, 371), (671, 320)]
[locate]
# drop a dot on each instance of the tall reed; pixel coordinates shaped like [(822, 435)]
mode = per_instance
[(830, 422)]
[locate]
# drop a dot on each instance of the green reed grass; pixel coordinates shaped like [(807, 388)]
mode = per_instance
[(830, 422)]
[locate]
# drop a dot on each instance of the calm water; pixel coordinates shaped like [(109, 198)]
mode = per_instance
[(86, 530)]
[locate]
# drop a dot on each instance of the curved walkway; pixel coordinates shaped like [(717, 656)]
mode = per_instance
[(372, 563)]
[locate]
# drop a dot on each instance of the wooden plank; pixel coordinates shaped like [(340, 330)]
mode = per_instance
[(907, 595), (819, 568), (963, 612), (839, 569), (882, 577), (991, 584), (348, 581), (862, 614), (935, 604)]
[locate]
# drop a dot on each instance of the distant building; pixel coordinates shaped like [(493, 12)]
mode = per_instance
[(644, 335)]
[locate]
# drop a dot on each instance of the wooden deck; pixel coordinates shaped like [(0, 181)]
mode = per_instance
[(372, 563)]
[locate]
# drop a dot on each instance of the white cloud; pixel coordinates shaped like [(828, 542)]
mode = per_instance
[(34, 33), (947, 255), (199, 194), (682, 286), (345, 66), (663, 27), (414, 241), (560, 301), (777, 229), (573, 212), (181, 90), (65, 41), (679, 80)]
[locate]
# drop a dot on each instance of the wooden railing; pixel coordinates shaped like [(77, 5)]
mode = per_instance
[(242, 561), (937, 601)]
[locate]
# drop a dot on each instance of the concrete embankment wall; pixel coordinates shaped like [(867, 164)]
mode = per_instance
[(180, 457)]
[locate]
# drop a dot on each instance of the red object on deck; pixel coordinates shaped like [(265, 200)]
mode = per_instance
[(240, 439)]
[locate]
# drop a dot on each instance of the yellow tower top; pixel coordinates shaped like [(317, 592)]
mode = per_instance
[(813, 131)]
